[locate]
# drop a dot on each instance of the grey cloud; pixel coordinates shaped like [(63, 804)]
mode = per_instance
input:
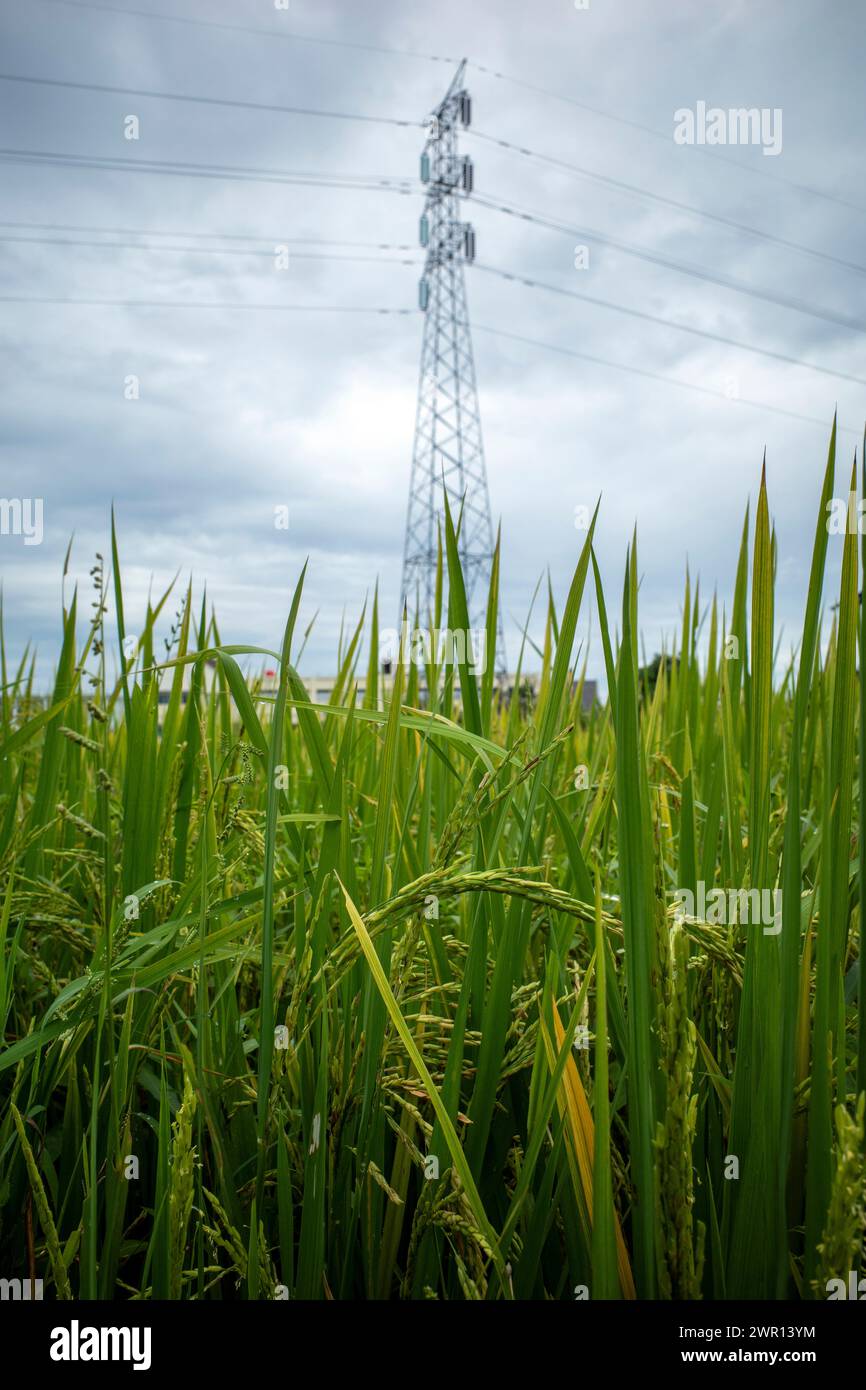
[(243, 410)]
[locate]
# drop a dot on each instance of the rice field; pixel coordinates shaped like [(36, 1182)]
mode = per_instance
[(482, 1000)]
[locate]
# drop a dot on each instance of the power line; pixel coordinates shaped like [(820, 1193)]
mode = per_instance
[(209, 236), (190, 169), (578, 170), (206, 101), (369, 183), (202, 250), (657, 376), (188, 166), (488, 269), (246, 29), (663, 322), (657, 134), (681, 267), (207, 304), (636, 191), (617, 117)]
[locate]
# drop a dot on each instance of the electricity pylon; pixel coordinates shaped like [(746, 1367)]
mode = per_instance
[(448, 454)]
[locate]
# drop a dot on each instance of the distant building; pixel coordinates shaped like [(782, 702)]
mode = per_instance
[(320, 689)]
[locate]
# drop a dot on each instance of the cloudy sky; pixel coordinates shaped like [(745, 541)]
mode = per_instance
[(253, 404)]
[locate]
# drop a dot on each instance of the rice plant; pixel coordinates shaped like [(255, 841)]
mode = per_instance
[(475, 1000)]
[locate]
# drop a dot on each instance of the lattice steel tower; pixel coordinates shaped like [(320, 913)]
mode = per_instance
[(448, 451)]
